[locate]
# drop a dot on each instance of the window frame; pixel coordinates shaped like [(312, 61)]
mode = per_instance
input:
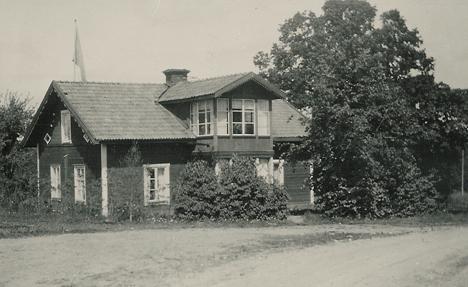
[(65, 126), (147, 189), (55, 185), (77, 190), (195, 117), (243, 122)]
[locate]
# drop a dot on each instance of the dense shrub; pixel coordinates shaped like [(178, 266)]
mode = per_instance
[(392, 185), (125, 184), (236, 194), (197, 193)]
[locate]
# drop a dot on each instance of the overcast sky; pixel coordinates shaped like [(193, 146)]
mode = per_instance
[(133, 41)]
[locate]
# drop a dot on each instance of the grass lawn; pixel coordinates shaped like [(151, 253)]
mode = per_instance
[(14, 225)]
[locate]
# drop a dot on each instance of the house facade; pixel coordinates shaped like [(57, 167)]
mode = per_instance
[(82, 130)]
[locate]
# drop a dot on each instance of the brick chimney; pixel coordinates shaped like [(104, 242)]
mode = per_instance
[(173, 76)]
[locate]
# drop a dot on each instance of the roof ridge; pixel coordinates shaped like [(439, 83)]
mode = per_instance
[(111, 83), (218, 77)]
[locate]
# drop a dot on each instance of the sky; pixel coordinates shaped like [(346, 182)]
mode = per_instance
[(135, 40)]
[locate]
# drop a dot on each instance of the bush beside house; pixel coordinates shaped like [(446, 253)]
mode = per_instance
[(236, 194)]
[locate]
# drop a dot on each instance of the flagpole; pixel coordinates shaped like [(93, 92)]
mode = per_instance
[(78, 60), (74, 56)]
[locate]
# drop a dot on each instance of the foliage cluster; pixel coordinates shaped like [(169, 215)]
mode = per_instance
[(18, 181), (125, 187), (378, 124), (236, 194)]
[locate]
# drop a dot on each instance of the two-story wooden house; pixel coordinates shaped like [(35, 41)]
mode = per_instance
[(83, 129)]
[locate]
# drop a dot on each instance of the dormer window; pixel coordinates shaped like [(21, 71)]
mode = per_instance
[(200, 117), (65, 124)]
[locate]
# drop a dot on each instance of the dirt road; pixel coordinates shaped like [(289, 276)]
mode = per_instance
[(438, 258), (238, 257)]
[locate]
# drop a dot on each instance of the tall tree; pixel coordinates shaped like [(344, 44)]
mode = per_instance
[(356, 81)]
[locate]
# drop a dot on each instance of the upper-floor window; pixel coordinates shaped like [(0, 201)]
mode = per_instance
[(65, 126), (243, 117), (200, 117)]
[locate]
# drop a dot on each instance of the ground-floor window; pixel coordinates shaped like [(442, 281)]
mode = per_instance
[(79, 176), (156, 181), (55, 181)]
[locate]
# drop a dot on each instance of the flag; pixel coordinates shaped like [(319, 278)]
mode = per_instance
[(78, 56)]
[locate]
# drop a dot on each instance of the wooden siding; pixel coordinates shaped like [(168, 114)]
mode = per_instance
[(176, 154), (295, 182), (67, 155), (245, 144)]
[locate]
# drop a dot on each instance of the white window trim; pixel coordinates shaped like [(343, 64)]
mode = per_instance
[(243, 123), (75, 181), (66, 137), (58, 189), (167, 174), (195, 126)]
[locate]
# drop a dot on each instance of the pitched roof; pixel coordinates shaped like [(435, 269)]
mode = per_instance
[(121, 111), (287, 121), (130, 111), (214, 86)]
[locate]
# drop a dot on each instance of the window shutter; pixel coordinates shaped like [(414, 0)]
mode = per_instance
[(194, 117), (263, 118), (163, 184), (278, 171), (65, 124), (146, 186), (262, 168), (223, 116), (55, 181), (79, 176)]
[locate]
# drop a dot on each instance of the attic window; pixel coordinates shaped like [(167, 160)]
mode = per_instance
[(47, 138), (65, 124)]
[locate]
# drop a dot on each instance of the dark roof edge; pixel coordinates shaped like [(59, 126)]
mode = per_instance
[(165, 140)]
